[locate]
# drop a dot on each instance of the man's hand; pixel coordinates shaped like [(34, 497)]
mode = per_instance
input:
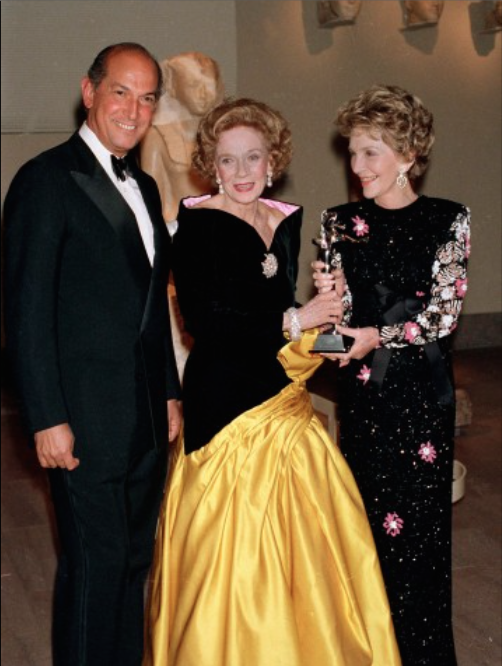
[(55, 447), (174, 416)]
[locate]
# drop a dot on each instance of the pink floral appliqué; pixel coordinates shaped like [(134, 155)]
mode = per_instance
[(365, 374), (360, 226), (420, 293), (393, 524), (461, 287), (411, 331), (427, 452)]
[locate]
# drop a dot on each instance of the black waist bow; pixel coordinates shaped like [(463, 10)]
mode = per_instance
[(397, 309)]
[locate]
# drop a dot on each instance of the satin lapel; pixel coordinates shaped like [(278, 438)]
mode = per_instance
[(113, 206), (160, 240)]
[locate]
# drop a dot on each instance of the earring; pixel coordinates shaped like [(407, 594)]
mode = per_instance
[(269, 179), (221, 190), (402, 179)]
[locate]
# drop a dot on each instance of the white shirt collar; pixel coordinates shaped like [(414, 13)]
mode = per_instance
[(102, 154)]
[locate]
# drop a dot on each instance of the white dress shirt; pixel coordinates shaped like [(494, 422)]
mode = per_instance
[(128, 188)]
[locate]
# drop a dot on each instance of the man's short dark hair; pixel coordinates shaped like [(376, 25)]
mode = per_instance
[(98, 70)]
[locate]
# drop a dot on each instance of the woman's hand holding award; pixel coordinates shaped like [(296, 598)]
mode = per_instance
[(329, 341)]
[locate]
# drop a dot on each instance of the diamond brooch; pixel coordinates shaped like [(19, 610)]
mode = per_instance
[(270, 265)]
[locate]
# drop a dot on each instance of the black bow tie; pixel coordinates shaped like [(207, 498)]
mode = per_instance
[(122, 167)]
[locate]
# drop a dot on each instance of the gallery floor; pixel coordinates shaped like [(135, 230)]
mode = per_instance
[(28, 540)]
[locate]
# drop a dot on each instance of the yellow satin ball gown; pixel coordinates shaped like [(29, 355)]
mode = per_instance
[(264, 555)]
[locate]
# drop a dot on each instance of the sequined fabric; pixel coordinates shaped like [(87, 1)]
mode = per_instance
[(408, 279)]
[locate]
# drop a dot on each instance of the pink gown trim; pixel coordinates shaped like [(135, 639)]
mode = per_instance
[(282, 206)]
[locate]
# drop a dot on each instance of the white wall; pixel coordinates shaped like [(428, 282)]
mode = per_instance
[(48, 46)]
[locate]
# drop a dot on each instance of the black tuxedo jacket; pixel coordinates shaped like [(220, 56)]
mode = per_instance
[(86, 314)]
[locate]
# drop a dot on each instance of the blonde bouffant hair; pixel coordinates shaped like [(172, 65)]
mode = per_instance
[(397, 117), (242, 112)]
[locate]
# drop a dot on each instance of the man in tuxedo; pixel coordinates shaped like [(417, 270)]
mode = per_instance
[(87, 261)]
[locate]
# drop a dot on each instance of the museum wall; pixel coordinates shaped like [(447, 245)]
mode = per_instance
[(307, 72), (275, 51), (48, 46)]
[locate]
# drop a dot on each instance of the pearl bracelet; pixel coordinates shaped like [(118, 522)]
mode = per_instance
[(295, 328)]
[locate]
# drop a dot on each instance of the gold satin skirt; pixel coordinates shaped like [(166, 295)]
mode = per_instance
[(264, 556)]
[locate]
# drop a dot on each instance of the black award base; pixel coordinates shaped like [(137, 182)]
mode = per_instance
[(328, 343)]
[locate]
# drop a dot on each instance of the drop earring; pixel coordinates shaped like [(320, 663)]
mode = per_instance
[(269, 179), (220, 185), (402, 179)]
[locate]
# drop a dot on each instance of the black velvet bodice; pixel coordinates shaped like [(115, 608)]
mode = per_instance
[(234, 313)]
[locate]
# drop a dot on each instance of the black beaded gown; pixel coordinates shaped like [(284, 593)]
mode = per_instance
[(406, 271)]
